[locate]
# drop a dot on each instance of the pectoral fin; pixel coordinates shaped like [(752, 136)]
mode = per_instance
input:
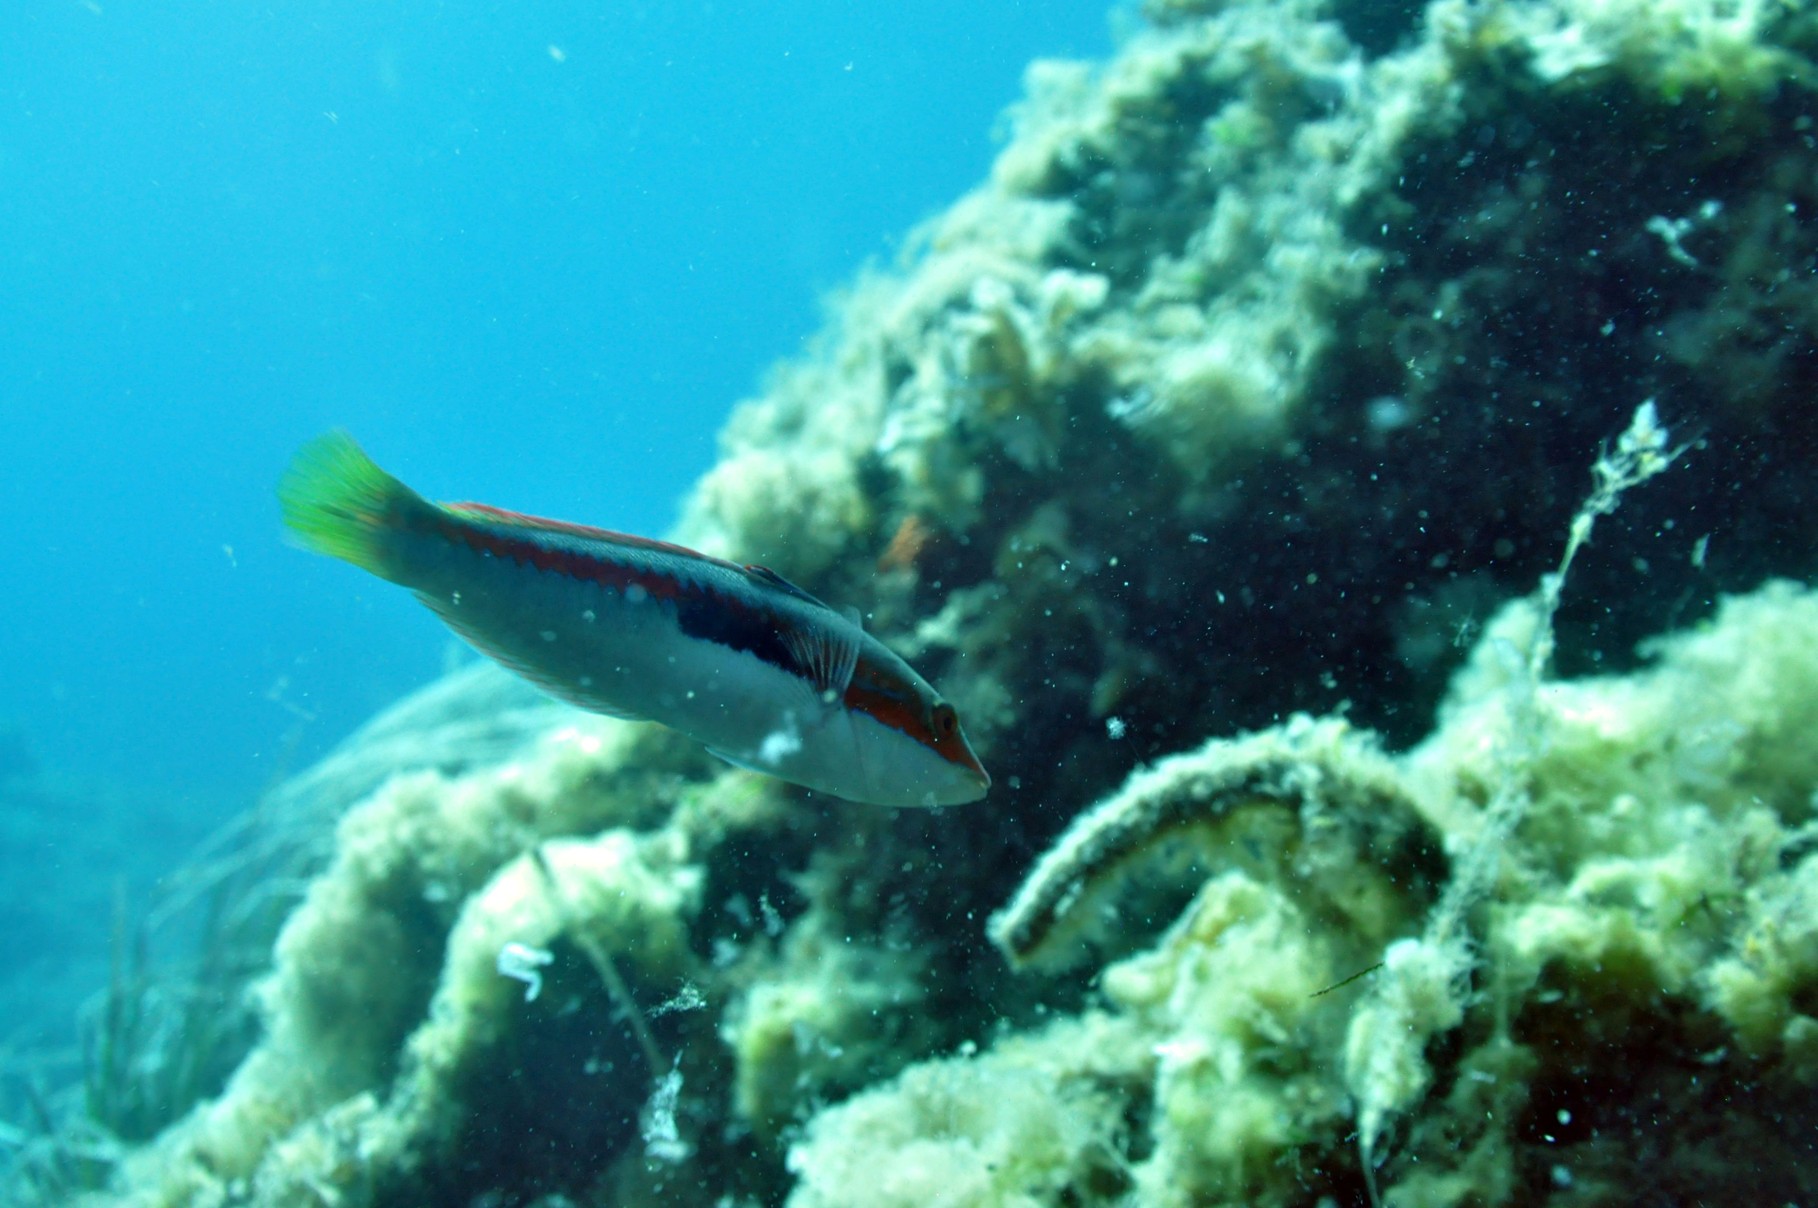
[(826, 653)]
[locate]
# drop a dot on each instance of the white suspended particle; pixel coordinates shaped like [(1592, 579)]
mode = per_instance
[(662, 1140), (773, 918), (688, 998), (521, 962)]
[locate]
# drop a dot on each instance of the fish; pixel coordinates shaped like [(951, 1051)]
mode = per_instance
[(735, 657)]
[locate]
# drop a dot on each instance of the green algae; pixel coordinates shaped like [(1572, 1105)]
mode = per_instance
[(1258, 380), (1640, 923)]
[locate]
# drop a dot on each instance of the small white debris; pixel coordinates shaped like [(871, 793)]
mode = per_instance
[(779, 745), (773, 918), (688, 998), (1134, 408), (662, 1140), (1672, 230), (521, 962), (1115, 728)]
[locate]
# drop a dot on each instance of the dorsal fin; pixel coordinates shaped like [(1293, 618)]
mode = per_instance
[(769, 578)]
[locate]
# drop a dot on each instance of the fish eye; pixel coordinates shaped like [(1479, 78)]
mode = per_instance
[(946, 720)]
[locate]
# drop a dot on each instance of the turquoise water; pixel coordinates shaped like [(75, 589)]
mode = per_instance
[(529, 254)]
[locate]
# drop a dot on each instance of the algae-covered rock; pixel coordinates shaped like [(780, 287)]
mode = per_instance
[(1216, 455), (1632, 973), (1036, 1120)]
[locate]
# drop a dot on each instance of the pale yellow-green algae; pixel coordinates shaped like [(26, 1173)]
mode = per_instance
[(1260, 377), (1646, 954), (384, 997)]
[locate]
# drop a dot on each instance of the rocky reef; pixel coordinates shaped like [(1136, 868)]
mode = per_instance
[(1216, 457), (1630, 1022)]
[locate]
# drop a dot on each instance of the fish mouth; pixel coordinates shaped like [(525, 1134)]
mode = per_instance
[(952, 790), (978, 783)]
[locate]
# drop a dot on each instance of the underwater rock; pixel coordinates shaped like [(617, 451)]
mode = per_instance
[(1646, 954), (1260, 381), (1310, 802)]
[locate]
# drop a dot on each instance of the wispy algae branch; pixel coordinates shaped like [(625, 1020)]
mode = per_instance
[(1422, 989)]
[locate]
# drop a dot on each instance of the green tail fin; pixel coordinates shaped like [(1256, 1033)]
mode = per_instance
[(337, 501)]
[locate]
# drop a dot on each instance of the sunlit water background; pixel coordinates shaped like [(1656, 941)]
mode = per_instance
[(529, 253)]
